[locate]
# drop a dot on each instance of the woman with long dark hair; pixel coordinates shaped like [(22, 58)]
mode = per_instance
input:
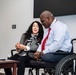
[(30, 41)]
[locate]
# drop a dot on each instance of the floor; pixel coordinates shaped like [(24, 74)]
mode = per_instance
[(34, 73), (26, 71)]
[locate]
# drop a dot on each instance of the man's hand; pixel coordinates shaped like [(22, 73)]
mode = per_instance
[(42, 53), (37, 55)]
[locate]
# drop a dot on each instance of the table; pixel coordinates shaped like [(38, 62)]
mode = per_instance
[(9, 64)]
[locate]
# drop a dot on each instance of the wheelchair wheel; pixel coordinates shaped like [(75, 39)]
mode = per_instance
[(66, 66)]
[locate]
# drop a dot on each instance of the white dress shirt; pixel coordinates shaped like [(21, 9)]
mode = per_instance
[(59, 38)]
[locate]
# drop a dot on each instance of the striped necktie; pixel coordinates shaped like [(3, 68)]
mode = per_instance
[(44, 41)]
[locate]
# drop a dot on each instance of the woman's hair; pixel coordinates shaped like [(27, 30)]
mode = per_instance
[(40, 32)]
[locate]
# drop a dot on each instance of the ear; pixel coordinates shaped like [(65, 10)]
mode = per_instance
[(48, 18)]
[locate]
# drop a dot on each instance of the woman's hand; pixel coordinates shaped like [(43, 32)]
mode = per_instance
[(20, 47), (17, 45)]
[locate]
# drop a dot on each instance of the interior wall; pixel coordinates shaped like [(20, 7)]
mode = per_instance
[(20, 12)]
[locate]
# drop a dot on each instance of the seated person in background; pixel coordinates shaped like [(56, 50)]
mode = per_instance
[(58, 39), (29, 41)]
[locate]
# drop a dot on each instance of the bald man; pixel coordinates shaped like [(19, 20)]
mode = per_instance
[(58, 40)]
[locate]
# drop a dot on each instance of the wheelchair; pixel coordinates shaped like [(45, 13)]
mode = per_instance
[(66, 66)]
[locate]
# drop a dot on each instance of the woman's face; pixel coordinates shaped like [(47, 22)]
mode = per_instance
[(35, 28)]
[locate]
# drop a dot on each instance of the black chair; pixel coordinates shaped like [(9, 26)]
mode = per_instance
[(28, 65), (58, 68), (13, 51)]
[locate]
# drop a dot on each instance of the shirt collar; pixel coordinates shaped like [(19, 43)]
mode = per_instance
[(54, 21), (34, 35)]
